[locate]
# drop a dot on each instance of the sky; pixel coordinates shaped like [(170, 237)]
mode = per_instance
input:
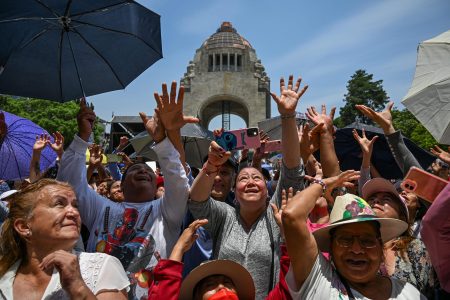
[(324, 42)]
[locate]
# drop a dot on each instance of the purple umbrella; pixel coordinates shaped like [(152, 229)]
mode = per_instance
[(16, 148)]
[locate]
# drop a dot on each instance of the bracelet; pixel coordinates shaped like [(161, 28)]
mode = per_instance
[(204, 169), (320, 181), (289, 116)]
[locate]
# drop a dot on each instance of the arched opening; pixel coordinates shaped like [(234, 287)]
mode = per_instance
[(236, 122), (219, 112)]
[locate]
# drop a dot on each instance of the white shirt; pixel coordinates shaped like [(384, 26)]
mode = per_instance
[(324, 283), (99, 271)]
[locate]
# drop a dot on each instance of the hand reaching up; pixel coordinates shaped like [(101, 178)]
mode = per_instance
[(154, 126), (317, 118), (186, 240), (58, 144), (40, 143), (383, 119), (170, 108), (85, 119), (288, 99), (278, 211), (441, 154)]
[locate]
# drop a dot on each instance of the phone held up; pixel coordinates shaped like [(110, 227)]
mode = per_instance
[(424, 184), (239, 139), (113, 158)]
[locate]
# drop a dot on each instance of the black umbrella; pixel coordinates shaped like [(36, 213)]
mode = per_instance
[(349, 154), (63, 49), (196, 141)]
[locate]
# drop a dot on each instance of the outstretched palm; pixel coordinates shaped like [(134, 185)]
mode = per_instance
[(287, 102)]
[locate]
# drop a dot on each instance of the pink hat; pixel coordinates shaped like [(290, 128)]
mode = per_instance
[(378, 185)]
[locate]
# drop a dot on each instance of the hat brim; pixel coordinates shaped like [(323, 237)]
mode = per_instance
[(389, 228), (241, 278)]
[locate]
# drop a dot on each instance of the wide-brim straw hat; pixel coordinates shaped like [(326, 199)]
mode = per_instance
[(349, 209), (241, 278)]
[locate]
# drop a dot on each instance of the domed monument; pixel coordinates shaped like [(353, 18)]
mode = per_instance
[(226, 77)]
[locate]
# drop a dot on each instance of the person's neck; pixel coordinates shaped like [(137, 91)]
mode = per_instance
[(249, 217), (35, 255)]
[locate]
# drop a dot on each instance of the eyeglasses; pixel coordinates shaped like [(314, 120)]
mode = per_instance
[(347, 241)]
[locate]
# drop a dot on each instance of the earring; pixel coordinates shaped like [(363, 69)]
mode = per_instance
[(28, 234)]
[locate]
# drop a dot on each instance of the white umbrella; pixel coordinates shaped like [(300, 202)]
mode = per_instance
[(428, 99)]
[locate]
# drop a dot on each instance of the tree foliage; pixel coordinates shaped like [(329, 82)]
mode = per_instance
[(50, 115), (412, 128), (361, 89)]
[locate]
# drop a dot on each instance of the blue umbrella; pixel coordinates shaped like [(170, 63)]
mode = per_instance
[(16, 148), (64, 50)]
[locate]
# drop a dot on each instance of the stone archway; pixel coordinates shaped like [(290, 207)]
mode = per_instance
[(214, 107)]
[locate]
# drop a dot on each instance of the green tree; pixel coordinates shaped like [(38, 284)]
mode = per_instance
[(361, 89), (50, 115), (412, 128)]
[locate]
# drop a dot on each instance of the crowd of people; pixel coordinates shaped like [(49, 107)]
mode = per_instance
[(231, 230)]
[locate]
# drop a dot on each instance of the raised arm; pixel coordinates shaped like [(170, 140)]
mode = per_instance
[(287, 103), (404, 158), (73, 167), (35, 164), (201, 188), (328, 157), (170, 111), (366, 149), (302, 246)]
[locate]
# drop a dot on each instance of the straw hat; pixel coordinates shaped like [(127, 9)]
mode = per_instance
[(349, 209), (241, 278)]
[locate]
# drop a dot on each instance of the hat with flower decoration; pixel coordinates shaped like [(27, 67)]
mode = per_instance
[(350, 209)]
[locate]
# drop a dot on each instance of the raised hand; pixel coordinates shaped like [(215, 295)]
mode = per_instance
[(125, 159), (154, 126), (317, 118), (365, 144), (186, 240), (171, 110), (85, 120), (217, 156), (58, 144), (278, 211), (40, 143), (342, 180), (68, 268), (441, 154), (309, 139), (96, 155), (383, 119), (288, 99)]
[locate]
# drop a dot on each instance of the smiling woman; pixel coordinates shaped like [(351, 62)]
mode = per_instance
[(38, 237)]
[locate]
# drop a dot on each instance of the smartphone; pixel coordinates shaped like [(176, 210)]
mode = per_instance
[(423, 184), (239, 139), (113, 158), (271, 146)]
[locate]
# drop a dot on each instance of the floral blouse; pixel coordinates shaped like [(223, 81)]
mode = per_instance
[(416, 268)]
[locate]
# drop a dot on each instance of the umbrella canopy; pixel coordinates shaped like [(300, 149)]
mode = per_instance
[(349, 154), (272, 126), (196, 141), (428, 99), (16, 148), (63, 50)]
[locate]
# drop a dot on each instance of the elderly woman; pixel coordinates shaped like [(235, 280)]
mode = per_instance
[(354, 238), (248, 234), (36, 257)]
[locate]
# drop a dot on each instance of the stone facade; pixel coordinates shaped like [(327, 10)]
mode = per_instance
[(226, 69)]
